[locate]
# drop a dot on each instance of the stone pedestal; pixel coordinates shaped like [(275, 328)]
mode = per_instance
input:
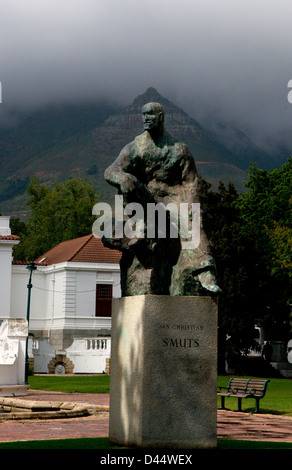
[(13, 334), (164, 372)]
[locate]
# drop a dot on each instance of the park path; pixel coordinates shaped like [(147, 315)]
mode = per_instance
[(230, 425)]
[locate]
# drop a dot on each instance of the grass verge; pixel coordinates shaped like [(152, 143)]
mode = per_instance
[(71, 383), (103, 443)]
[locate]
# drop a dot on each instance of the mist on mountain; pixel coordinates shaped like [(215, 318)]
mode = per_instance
[(66, 140)]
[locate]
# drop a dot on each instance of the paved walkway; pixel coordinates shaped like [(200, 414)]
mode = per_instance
[(230, 425)]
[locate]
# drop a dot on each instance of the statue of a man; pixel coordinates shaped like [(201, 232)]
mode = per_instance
[(155, 168)]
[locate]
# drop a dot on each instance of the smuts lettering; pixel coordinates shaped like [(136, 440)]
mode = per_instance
[(180, 342)]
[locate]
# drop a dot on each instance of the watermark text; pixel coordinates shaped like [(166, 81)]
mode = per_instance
[(155, 221), (289, 96)]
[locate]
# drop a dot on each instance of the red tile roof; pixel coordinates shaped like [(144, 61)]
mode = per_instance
[(9, 237), (88, 249), (26, 263)]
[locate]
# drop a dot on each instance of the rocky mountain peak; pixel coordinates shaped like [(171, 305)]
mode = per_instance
[(129, 121), (150, 95)]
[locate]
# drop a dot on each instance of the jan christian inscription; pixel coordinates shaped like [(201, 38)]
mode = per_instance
[(178, 342)]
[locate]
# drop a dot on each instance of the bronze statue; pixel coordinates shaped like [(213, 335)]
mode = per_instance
[(155, 168)]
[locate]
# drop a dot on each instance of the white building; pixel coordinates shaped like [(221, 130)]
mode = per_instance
[(7, 242), (70, 309), (13, 330)]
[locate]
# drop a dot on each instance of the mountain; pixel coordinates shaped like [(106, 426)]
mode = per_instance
[(52, 143), (66, 141)]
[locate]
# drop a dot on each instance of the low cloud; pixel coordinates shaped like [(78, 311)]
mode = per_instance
[(227, 60)]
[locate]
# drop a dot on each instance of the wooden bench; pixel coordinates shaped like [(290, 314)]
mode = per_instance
[(244, 388)]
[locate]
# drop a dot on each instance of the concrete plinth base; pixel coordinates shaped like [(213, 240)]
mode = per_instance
[(164, 372)]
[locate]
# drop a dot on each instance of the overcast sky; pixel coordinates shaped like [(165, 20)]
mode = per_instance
[(226, 58)]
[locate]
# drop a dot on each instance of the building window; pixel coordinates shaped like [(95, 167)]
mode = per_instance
[(104, 294)]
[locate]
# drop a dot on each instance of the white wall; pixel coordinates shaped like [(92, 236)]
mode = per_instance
[(40, 296), (89, 354), (5, 277), (42, 352), (61, 293), (63, 296), (5, 266)]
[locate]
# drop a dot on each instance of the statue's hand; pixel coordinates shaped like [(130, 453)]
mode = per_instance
[(208, 281), (134, 190)]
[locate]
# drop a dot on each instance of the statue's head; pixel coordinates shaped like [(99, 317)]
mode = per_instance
[(153, 116)]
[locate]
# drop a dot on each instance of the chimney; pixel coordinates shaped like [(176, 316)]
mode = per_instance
[(5, 225)]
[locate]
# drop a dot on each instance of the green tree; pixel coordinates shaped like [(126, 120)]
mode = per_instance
[(281, 239), (57, 213), (251, 239), (234, 253), (265, 210), (17, 226)]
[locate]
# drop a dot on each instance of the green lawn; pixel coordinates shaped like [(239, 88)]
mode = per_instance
[(103, 443), (278, 400), (71, 383)]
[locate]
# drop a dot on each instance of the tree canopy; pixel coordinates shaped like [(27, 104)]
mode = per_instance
[(251, 239), (59, 212), (266, 213), (234, 255), (266, 210)]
